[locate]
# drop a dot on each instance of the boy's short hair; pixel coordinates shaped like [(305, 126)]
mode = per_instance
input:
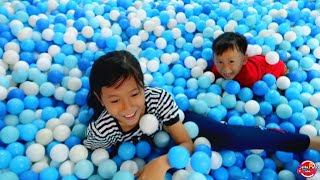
[(229, 40)]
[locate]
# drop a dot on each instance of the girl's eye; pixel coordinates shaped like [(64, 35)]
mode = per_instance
[(115, 101), (135, 94)]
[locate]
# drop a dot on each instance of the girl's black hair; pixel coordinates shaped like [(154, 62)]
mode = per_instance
[(111, 69), (229, 40)]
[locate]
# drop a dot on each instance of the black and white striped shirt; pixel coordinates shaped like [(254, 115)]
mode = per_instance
[(105, 132)]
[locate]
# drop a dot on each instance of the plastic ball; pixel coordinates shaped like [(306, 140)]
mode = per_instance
[(254, 163), (129, 165), (192, 129), (308, 130), (232, 87), (19, 164), (99, 155), (200, 162), (78, 153), (9, 134), (66, 168), (107, 168), (252, 107), (315, 100), (283, 82), (284, 111), (35, 152), (178, 157), (59, 153), (148, 124), (5, 158), (161, 139), (83, 169), (126, 151), (122, 174)]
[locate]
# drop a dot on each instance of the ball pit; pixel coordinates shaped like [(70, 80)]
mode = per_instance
[(47, 48)]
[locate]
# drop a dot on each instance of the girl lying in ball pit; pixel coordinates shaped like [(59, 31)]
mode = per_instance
[(119, 99)]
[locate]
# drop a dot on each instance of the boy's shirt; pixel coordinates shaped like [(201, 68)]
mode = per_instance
[(255, 68)]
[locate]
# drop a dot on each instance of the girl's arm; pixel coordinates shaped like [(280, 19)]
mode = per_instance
[(158, 167)]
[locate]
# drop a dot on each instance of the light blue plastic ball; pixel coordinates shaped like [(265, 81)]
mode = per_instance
[(192, 129), (16, 149), (9, 175), (9, 134), (83, 169), (298, 119), (248, 119), (15, 106), (161, 139), (235, 120), (254, 163), (229, 101), (204, 82), (28, 132), (122, 174), (107, 168), (178, 157), (200, 107), (200, 162), (272, 96), (126, 151), (228, 158), (196, 175), (27, 116)]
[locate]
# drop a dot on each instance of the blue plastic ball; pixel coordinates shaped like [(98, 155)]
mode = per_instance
[(178, 157), (126, 151)]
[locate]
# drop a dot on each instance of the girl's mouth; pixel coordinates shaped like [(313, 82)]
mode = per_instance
[(130, 116)]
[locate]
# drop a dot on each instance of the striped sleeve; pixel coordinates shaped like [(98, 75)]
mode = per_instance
[(167, 109)]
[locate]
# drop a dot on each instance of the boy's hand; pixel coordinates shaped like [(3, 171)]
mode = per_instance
[(155, 169)]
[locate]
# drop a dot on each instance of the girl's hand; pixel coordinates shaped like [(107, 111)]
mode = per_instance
[(155, 169)]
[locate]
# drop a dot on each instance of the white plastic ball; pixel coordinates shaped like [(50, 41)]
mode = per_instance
[(143, 35), (75, 72), (129, 165), (272, 57), (87, 31), (106, 32), (33, 20), (52, 5), (35, 152), (47, 34), (290, 36), (180, 174), (78, 153), (61, 132), (148, 25), (153, 65), (66, 168), (216, 160), (190, 27), (74, 84), (59, 152), (114, 15), (10, 57), (141, 14), (44, 136), (210, 75), (181, 18), (176, 33), (304, 49), (73, 109), (135, 40), (12, 46), (278, 38), (67, 119), (181, 115), (309, 130), (148, 124), (69, 37), (43, 64), (202, 140), (315, 100), (252, 107), (197, 41), (166, 58), (25, 33), (283, 82), (135, 22), (316, 52), (53, 123), (99, 155), (79, 46), (172, 24), (196, 72), (202, 63), (190, 62), (59, 93), (256, 151), (306, 30), (39, 166), (3, 93), (161, 43)]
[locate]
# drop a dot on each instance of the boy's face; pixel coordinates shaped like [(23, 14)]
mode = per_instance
[(126, 103), (230, 63)]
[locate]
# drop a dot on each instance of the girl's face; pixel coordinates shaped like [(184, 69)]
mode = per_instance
[(230, 63), (126, 103)]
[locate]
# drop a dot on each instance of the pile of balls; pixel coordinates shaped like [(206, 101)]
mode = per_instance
[(47, 49)]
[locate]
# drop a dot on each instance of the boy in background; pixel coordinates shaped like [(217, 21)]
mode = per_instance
[(231, 61)]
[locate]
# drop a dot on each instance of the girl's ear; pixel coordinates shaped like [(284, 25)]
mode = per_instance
[(98, 97)]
